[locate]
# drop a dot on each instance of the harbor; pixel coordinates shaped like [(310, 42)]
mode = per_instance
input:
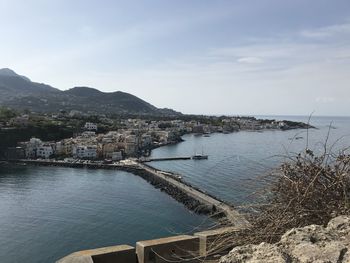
[(193, 198), (119, 207)]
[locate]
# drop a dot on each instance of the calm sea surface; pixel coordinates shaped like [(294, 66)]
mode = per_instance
[(47, 213), (234, 159)]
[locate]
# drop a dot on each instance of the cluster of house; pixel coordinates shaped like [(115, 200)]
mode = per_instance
[(251, 123), (136, 138)]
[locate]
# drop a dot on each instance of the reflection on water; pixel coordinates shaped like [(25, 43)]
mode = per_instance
[(235, 159), (48, 212)]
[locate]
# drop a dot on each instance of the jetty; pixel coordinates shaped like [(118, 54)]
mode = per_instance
[(210, 202), (192, 197), (176, 158)]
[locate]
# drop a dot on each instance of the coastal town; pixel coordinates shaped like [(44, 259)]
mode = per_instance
[(134, 137)]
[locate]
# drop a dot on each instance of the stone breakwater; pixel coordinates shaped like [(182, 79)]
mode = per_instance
[(308, 244), (193, 198), (180, 196)]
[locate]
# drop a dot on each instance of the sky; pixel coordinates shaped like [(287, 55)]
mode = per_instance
[(249, 57)]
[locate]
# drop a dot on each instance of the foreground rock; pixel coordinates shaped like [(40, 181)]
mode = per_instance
[(301, 245)]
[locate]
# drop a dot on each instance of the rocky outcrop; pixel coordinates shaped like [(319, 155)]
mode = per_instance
[(301, 245)]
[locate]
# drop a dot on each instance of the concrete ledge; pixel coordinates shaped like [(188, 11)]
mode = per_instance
[(215, 241), (114, 254), (206, 245), (168, 249)]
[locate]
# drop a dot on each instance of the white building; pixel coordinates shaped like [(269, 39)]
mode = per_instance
[(90, 126), (32, 147), (44, 151), (84, 152)]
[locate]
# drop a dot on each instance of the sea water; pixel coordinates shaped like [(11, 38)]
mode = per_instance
[(49, 212)]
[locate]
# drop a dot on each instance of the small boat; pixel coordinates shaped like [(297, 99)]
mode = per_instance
[(199, 156)]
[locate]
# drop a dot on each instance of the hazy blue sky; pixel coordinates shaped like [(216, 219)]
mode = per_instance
[(196, 56)]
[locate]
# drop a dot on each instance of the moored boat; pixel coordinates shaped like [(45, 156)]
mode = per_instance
[(199, 156)]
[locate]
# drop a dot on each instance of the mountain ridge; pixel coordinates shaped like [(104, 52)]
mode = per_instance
[(9, 72), (21, 93)]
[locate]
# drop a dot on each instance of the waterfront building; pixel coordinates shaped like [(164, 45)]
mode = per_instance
[(108, 149), (44, 151), (84, 152), (64, 147), (32, 146)]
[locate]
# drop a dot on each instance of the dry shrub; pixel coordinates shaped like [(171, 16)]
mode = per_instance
[(306, 190)]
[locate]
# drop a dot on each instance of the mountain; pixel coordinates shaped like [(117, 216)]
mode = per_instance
[(19, 92), (10, 73), (14, 86)]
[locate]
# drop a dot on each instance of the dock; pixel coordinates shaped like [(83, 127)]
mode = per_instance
[(166, 159)]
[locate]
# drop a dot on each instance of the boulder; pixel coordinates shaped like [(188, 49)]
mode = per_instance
[(301, 245)]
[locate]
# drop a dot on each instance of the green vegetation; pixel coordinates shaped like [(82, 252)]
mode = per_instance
[(45, 131), (6, 114), (46, 128)]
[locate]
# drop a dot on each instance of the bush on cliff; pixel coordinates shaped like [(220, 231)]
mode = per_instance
[(306, 190)]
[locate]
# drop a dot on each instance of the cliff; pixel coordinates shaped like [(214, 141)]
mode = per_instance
[(312, 243)]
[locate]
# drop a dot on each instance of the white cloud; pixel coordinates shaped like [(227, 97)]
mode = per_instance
[(87, 31), (285, 75), (325, 99), (328, 31), (250, 60)]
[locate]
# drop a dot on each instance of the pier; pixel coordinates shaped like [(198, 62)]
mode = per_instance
[(214, 204), (166, 159), (192, 197)]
